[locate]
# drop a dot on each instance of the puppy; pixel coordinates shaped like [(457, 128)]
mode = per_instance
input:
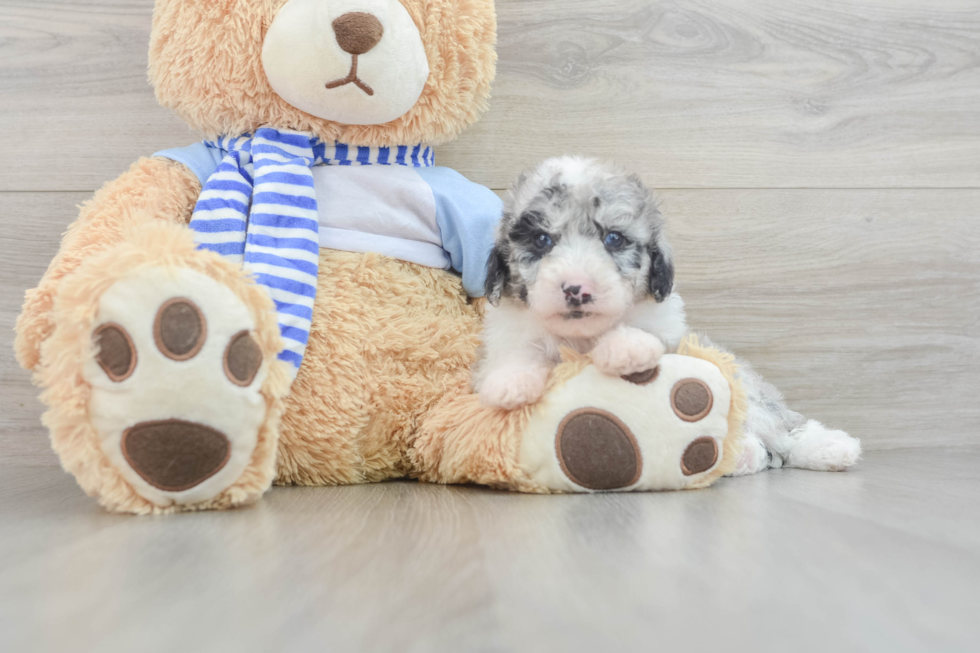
[(581, 261)]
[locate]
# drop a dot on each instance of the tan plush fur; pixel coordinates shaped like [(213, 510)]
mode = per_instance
[(389, 340), (66, 351), (205, 64), (464, 442)]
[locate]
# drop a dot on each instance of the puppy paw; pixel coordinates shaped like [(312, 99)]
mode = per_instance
[(626, 350), (755, 457), (819, 448), (514, 386)]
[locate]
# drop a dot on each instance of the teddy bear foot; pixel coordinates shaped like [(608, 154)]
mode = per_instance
[(176, 397), (662, 429)]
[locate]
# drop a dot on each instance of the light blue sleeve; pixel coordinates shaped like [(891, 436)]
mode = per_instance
[(467, 215), (201, 159)]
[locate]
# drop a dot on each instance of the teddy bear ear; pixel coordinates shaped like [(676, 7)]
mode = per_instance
[(206, 64)]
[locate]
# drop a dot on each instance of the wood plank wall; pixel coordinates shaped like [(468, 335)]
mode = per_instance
[(818, 163)]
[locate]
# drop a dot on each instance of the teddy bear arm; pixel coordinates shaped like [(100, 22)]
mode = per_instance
[(152, 189)]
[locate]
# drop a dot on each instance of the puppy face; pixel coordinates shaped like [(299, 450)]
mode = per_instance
[(580, 242)]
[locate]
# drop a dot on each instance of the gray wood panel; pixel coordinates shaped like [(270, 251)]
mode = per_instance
[(738, 93), (76, 105), (863, 306), (881, 558), (32, 225), (730, 93)]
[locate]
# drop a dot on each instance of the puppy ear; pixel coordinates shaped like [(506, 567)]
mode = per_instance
[(498, 276), (661, 281)]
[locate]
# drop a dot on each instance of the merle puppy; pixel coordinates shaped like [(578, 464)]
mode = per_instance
[(581, 261)]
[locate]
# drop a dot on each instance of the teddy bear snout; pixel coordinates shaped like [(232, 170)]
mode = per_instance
[(357, 32)]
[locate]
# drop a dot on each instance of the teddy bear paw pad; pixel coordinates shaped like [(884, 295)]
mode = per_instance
[(661, 429), (597, 451), (174, 455), (176, 384)]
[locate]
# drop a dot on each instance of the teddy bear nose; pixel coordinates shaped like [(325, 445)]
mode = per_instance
[(357, 32)]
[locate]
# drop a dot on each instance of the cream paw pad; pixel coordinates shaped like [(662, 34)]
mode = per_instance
[(672, 427), (176, 384)]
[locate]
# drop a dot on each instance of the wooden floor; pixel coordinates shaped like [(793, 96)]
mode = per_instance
[(883, 558), (819, 167)]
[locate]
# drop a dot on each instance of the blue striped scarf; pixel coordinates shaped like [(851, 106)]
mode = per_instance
[(259, 210)]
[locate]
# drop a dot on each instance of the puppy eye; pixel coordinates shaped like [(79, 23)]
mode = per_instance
[(542, 241), (614, 240)]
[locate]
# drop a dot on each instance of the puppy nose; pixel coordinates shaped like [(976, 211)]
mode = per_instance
[(577, 293), (357, 32)]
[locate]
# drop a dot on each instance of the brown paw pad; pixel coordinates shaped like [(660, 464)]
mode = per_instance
[(700, 456), (645, 377), (117, 354), (243, 358), (174, 455), (691, 399), (597, 451), (180, 329)]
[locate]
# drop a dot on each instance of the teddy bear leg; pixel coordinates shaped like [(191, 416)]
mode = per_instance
[(161, 377), (674, 426), (666, 428), (463, 441)]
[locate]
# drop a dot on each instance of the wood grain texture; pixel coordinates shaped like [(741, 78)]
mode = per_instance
[(73, 92), (736, 93), (730, 93), (32, 226), (862, 306), (881, 558)]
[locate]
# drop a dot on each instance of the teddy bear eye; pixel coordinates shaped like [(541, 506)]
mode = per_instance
[(614, 240), (542, 241)]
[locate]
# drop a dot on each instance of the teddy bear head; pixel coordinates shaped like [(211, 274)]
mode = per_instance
[(362, 72)]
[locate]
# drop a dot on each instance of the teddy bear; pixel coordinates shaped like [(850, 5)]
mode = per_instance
[(295, 300)]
